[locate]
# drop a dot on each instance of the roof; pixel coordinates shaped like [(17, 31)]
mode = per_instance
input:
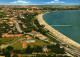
[(24, 45), (11, 35), (19, 55), (28, 37), (33, 31)]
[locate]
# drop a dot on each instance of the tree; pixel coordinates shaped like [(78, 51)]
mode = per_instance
[(7, 51), (17, 51), (57, 49), (15, 55), (0, 35), (29, 49), (10, 48), (37, 49)]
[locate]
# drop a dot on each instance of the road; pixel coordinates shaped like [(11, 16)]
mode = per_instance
[(70, 49), (5, 46), (18, 27)]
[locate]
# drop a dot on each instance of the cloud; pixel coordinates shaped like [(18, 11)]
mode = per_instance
[(56, 1), (20, 1)]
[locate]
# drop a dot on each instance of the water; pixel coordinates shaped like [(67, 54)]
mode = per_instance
[(66, 22)]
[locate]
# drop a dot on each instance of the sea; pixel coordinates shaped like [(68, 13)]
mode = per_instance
[(66, 22)]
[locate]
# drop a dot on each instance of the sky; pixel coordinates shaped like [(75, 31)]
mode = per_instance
[(39, 2)]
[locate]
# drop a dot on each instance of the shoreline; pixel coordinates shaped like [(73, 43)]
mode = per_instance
[(59, 35)]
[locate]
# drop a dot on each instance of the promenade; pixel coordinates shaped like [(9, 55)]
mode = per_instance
[(58, 35)]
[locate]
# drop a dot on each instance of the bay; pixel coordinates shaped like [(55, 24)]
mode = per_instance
[(66, 22)]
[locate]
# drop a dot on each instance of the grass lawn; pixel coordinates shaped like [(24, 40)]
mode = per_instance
[(9, 40), (37, 42), (17, 46)]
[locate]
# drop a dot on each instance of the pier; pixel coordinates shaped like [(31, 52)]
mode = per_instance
[(61, 25)]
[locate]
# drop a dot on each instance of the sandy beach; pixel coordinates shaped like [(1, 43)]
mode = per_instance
[(59, 36)]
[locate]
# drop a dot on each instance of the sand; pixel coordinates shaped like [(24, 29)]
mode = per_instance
[(58, 35)]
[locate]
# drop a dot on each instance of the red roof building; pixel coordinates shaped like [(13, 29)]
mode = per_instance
[(24, 44), (11, 35), (28, 37), (19, 55), (33, 31)]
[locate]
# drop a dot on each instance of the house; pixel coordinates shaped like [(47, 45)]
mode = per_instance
[(27, 10), (0, 50), (24, 44), (6, 17), (11, 22), (24, 26), (37, 34), (32, 40), (19, 55), (30, 34), (28, 37), (11, 25), (11, 35), (10, 31), (12, 54), (42, 37), (33, 31), (1, 10), (18, 34), (44, 48), (7, 35)]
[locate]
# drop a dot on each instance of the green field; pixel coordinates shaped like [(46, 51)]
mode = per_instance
[(37, 42), (9, 40), (17, 46)]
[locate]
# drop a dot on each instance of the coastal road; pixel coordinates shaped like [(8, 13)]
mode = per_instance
[(70, 49), (75, 53), (73, 47)]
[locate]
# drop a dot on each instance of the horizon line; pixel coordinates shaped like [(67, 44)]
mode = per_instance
[(70, 4)]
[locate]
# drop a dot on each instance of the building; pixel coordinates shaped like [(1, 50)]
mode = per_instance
[(44, 48), (24, 44), (0, 50), (33, 31), (37, 34), (11, 35), (27, 10), (19, 55), (12, 54), (32, 41), (28, 37), (24, 26), (11, 25)]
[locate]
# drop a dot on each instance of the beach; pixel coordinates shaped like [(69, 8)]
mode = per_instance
[(58, 35)]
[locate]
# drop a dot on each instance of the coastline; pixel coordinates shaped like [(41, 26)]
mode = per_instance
[(59, 35)]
